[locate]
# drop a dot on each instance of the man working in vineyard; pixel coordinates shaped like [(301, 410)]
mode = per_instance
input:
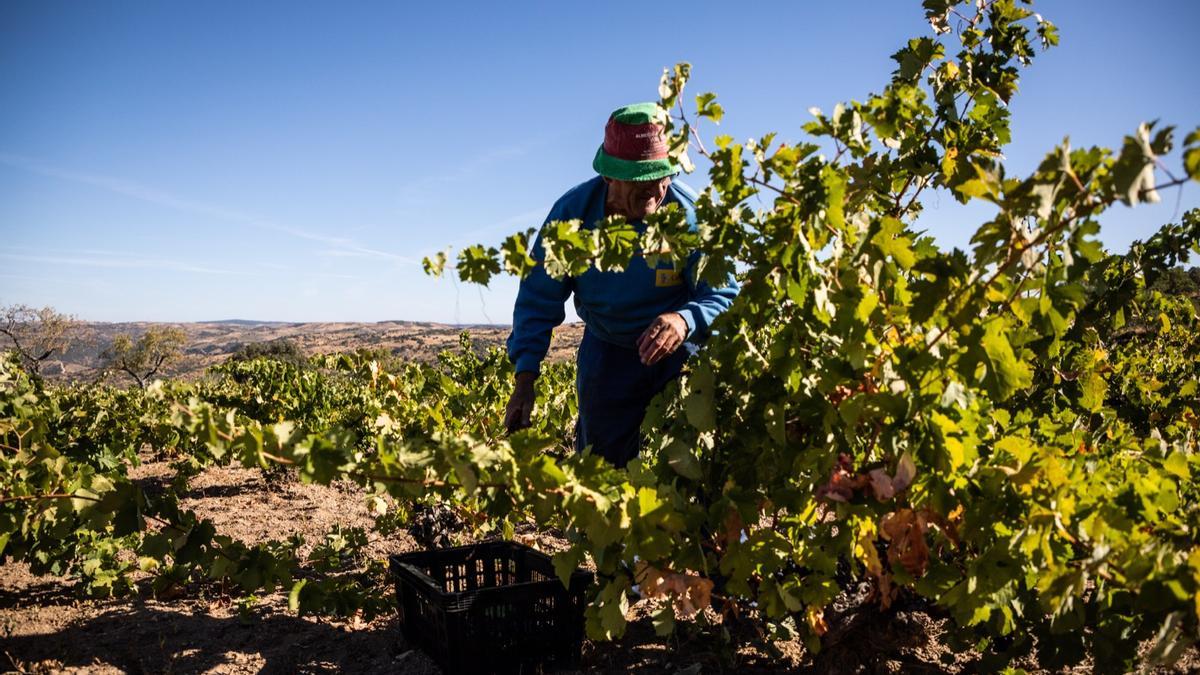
[(641, 323)]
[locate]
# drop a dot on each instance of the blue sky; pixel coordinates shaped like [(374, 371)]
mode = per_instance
[(294, 161)]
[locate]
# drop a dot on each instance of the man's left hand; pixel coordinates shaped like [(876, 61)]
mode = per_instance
[(663, 337)]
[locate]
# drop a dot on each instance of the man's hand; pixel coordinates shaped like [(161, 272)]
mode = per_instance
[(663, 337), (520, 404)]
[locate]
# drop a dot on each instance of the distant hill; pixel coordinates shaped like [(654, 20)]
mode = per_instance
[(246, 322), (212, 342)]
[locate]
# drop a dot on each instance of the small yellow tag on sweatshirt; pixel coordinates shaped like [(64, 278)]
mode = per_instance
[(668, 277)]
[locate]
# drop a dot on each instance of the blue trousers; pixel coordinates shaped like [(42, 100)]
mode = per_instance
[(613, 390)]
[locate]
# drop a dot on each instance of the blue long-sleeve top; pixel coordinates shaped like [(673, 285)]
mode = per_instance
[(616, 306)]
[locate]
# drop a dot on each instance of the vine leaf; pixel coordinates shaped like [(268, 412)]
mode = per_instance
[(690, 593), (905, 530), (1133, 173), (681, 458), (698, 401)]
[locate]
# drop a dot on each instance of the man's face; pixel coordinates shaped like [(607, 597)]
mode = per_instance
[(635, 199)]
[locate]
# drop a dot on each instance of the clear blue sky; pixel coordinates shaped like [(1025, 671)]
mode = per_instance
[(294, 161)]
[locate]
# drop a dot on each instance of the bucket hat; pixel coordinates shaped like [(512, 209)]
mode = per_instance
[(634, 148)]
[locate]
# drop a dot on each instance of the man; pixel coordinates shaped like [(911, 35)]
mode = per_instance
[(642, 323)]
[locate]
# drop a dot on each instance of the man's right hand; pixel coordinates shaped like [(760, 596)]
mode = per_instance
[(520, 404)]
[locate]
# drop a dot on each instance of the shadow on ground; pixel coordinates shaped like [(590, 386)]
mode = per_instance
[(149, 638), (38, 594)]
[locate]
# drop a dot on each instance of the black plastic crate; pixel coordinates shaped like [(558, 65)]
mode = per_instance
[(491, 607)]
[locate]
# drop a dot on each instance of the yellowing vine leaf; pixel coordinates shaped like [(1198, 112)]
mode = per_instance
[(905, 530), (690, 593)]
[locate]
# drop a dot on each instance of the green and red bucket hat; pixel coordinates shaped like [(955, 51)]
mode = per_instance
[(635, 148)]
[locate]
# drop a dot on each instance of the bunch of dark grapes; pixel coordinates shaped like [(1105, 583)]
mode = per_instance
[(434, 525)]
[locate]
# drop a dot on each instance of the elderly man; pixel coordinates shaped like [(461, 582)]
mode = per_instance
[(642, 323)]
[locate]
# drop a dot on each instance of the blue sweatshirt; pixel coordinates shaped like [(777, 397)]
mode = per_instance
[(616, 306)]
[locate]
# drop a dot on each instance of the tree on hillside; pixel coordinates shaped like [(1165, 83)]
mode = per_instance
[(145, 357), (1180, 281), (283, 350), (37, 334)]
